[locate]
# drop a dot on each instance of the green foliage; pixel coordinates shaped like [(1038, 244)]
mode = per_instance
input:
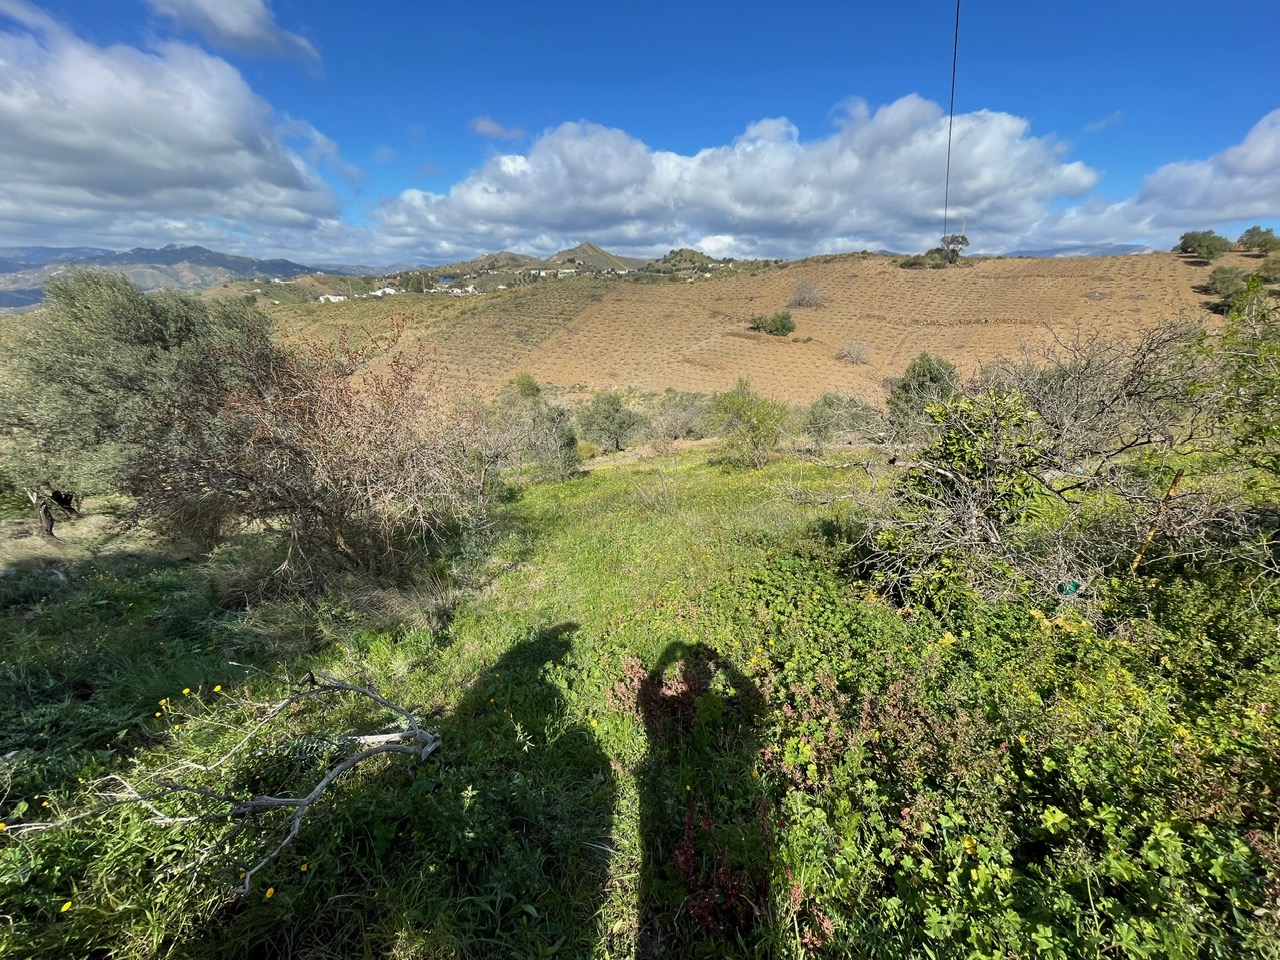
[(750, 424), (1010, 783), (1203, 244), (1269, 270), (1263, 241), (776, 325), (1251, 344), (606, 420), (1226, 282), (926, 380), (187, 406), (90, 383), (954, 245), (526, 386)]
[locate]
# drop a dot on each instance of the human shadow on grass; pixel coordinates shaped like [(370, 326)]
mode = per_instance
[(706, 824), (497, 845)]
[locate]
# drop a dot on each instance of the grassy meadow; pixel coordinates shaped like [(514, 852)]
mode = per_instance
[(674, 722)]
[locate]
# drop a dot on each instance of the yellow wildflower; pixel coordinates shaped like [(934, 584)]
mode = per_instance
[(271, 892), (217, 688), (186, 691), (303, 868), (65, 907)]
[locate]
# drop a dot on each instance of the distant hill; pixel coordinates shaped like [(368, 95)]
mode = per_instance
[(594, 258), (38, 256), (24, 270), (683, 259)]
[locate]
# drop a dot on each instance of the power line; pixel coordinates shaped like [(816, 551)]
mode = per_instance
[(951, 119)]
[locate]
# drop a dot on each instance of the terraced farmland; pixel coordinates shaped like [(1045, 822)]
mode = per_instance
[(592, 333)]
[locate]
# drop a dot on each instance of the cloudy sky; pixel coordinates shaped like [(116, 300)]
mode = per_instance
[(400, 131)]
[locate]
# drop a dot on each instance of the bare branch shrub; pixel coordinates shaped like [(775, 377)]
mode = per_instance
[(1049, 474), (677, 416), (260, 825), (807, 294), (855, 352), (359, 456)]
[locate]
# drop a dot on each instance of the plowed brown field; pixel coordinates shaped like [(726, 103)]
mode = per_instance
[(589, 333)]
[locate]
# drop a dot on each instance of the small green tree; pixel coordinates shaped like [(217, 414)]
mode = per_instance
[(953, 246), (927, 380), (749, 423), (526, 386), (1263, 241), (1203, 244), (606, 420)]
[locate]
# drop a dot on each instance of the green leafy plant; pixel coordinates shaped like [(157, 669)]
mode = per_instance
[(749, 424), (776, 324)]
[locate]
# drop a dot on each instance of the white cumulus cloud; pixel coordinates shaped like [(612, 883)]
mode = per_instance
[(1241, 183), (876, 181), (248, 26), (119, 146)]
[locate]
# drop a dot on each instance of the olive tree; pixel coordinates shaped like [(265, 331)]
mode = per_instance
[(1203, 244), (356, 455)]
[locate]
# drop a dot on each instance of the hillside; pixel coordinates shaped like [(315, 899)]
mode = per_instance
[(24, 270), (693, 334), (594, 258)]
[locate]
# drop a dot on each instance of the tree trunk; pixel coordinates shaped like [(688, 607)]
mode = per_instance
[(46, 515)]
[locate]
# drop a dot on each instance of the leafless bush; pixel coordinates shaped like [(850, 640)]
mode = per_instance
[(855, 352), (677, 416), (807, 294), (1101, 397), (358, 455)]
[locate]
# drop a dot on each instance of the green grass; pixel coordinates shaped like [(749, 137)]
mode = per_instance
[(672, 726)]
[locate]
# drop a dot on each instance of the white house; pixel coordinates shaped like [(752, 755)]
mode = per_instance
[(331, 298)]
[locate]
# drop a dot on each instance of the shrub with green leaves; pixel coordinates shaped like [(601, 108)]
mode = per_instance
[(1226, 283), (1203, 244), (775, 324), (926, 380), (749, 424), (1260, 240), (1269, 270)]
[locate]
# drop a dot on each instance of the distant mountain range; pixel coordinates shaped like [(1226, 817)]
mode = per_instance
[(24, 270)]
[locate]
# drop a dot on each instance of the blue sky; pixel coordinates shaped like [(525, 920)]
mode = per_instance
[(393, 131)]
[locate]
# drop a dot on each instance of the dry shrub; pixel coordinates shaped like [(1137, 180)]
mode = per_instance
[(855, 351), (807, 294), (359, 459)]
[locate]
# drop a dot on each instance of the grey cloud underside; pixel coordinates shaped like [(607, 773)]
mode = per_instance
[(247, 26), (137, 146)]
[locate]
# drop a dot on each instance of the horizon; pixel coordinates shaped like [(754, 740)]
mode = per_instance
[(284, 131)]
